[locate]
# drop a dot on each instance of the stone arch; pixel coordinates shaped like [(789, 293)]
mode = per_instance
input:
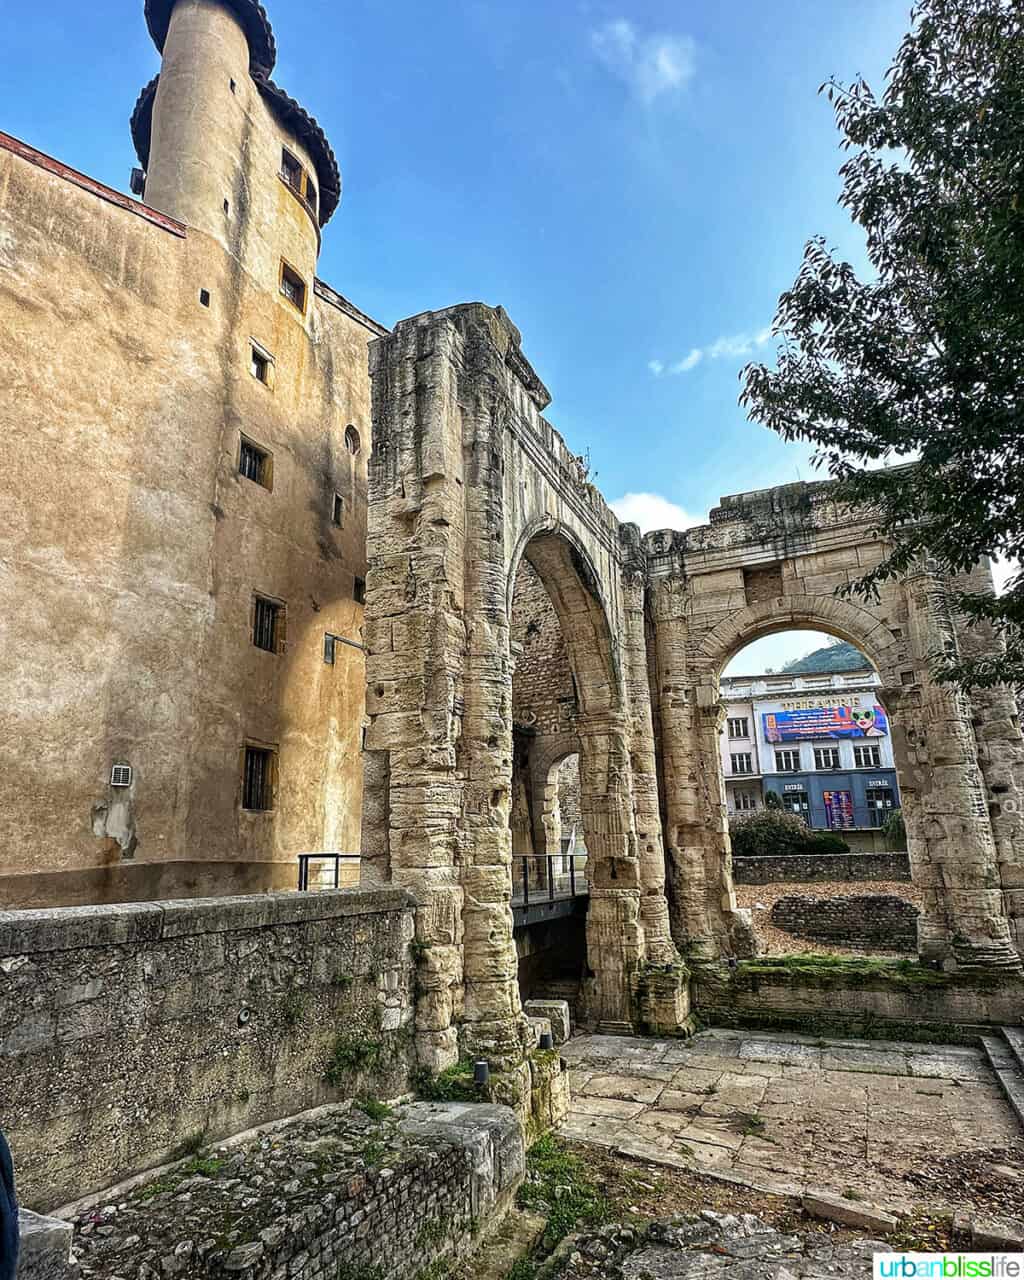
[(545, 766), (571, 582), (795, 613), (466, 480)]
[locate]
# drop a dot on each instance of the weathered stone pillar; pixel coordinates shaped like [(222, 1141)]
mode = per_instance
[(374, 851), (952, 847), (615, 936), (654, 914), (494, 1021), (415, 653), (705, 922), (995, 716), (439, 674)]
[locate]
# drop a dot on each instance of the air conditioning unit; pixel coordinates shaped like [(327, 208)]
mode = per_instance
[(121, 775)]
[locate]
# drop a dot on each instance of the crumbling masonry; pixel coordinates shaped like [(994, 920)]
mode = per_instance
[(467, 480)]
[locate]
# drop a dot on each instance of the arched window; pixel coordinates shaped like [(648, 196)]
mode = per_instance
[(352, 442)]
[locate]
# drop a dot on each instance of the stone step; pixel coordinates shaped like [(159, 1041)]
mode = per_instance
[(1007, 1070), (1014, 1037)]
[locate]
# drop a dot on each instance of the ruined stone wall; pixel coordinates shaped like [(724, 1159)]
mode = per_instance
[(332, 1194), (858, 998), (870, 922), (806, 868), (125, 1031), (773, 560), (542, 691), (468, 480), (133, 549)]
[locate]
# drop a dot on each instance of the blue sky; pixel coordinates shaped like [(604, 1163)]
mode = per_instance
[(633, 181)]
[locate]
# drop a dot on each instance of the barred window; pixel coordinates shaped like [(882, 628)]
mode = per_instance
[(293, 286), (258, 779), (254, 463), (267, 624), (291, 170)]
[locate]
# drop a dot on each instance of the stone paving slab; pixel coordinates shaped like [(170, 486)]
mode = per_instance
[(850, 1117)]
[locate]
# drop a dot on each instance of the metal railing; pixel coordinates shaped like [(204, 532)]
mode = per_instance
[(536, 877), (548, 877), (337, 859)]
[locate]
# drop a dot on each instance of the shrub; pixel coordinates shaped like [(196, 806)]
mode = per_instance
[(895, 831), (772, 833)]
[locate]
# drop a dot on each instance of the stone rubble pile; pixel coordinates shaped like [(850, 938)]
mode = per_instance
[(716, 1245), (339, 1189)]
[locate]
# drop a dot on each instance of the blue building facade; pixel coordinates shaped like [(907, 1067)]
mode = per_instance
[(837, 801)]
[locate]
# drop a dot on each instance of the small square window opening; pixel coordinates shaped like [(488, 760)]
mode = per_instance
[(359, 591), (259, 365), (329, 649), (254, 463), (338, 510), (293, 287), (204, 297)]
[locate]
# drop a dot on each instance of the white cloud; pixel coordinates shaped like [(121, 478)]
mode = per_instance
[(733, 347), (649, 65), (688, 362), (652, 511)]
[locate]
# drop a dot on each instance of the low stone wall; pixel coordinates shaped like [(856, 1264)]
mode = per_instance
[(868, 997), (811, 868), (129, 1031), (331, 1194), (872, 921)]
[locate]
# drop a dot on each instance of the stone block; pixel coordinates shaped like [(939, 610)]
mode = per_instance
[(45, 1248), (557, 1013), (1006, 1235), (850, 1213), (539, 1027)]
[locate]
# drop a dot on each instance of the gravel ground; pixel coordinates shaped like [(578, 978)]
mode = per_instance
[(772, 941)]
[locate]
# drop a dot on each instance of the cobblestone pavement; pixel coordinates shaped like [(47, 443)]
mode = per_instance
[(785, 1113)]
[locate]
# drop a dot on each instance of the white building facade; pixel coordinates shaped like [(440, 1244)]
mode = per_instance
[(821, 743)]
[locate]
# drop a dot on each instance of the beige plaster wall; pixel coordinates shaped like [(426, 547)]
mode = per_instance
[(131, 548)]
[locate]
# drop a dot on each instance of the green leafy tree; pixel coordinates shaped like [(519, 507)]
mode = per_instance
[(924, 360), (895, 831)]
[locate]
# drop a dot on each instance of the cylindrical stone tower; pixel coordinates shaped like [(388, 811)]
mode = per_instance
[(229, 153)]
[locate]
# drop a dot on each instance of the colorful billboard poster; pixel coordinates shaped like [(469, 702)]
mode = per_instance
[(824, 722), (838, 809)]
